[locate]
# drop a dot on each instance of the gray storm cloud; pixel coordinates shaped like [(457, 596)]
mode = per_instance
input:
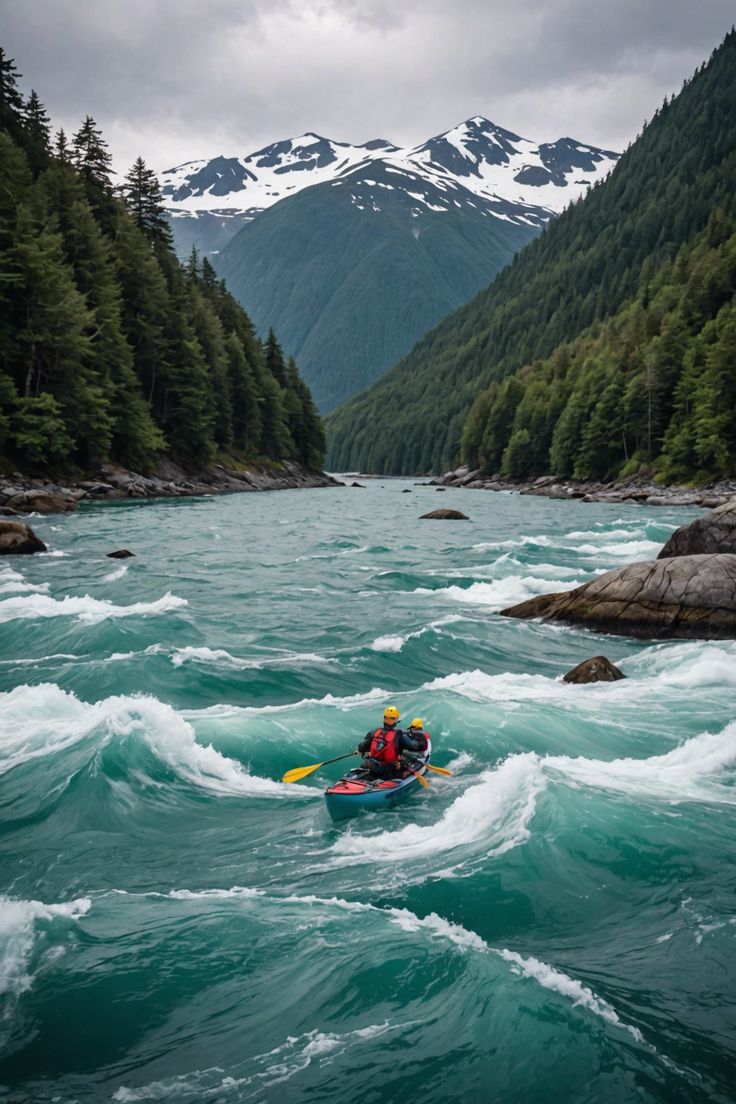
[(179, 80)]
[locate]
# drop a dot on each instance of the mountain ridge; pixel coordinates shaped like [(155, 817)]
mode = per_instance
[(585, 266), (530, 181)]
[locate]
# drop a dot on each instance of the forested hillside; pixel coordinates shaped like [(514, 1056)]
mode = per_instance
[(351, 285), (657, 382), (641, 231), (109, 347)]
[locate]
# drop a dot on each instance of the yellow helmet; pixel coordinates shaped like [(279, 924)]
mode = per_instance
[(391, 714), (417, 723)]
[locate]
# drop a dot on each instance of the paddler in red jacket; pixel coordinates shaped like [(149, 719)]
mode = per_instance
[(382, 747)]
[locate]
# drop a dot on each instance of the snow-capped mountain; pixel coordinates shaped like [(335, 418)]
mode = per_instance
[(514, 178), (352, 253)]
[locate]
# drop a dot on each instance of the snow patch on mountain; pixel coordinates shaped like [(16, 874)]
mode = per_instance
[(476, 163)]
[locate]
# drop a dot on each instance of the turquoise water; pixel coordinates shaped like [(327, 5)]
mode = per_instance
[(556, 922)]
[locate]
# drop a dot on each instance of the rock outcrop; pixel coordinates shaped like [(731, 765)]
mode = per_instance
[(597, 669), (715, 532), (120, 554), (687, 597), (444, 515), (17, 538)]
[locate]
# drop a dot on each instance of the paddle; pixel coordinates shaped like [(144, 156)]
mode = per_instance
[(302, 772), (439, 770), (419, 777)]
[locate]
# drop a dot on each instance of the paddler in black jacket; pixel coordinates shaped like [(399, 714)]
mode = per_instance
[(382, 747)]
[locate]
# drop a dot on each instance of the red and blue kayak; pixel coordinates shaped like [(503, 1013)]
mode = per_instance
[(357, 790)]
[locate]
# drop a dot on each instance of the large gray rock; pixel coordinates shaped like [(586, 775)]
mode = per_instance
[(686, 597), (17, 538), (715, 532)]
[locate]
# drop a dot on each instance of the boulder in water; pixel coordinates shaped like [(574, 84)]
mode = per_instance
[(358, 485), (121, 554), (716, 532), (17, 538), (684, 597), (597, 669), (444, 515)]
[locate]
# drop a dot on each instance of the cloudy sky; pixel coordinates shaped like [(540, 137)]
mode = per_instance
[(175, 80)]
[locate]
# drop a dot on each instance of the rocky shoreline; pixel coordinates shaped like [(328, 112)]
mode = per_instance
[(21, 494), (688, 592), (643, 492)]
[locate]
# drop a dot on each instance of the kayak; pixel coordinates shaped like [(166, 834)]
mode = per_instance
[(356, 790)]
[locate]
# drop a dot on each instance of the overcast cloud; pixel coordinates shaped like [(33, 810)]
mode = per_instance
[(175, 80)]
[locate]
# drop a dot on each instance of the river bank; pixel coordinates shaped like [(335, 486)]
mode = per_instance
[(640, 491), (21, 494)]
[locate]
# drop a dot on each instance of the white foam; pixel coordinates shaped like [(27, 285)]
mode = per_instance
[(634, 550), (388, 643), (494, 813), (521, 542), (222, 658), (118, 573), (395, 643), (87, 609), (580, 995), (41, 720), (502, 592), (18, 920), (691, 772)]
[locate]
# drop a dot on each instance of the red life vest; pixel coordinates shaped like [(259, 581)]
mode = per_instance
[(383, 746)]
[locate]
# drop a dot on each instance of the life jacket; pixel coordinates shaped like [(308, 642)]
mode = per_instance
[(384, 747), (420, 735)]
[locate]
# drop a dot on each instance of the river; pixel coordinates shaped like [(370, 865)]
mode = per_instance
[(556, 922)]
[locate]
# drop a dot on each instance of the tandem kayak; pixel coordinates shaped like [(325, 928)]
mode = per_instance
[(357, 790)]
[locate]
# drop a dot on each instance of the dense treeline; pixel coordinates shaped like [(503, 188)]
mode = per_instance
[(580, 272), (109, 347), (653, 386)]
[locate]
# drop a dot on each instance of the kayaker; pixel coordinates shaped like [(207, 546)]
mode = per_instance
[(416, 731), (382, 747)]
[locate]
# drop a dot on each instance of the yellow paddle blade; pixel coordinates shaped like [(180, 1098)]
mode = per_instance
[(439, 770), (421, 778), (300, 772)]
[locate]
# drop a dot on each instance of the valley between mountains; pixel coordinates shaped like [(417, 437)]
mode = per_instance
[(352, 252)]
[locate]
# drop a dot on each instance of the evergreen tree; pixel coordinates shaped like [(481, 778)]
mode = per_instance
[(275, 362), (38, 129), (244, 398), (141, 194), (11, 101), (61, 147)]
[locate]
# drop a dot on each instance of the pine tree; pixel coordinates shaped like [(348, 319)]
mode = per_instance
[(38, 129), (11, 101), (61, 147), (141, 194), (275, 359)]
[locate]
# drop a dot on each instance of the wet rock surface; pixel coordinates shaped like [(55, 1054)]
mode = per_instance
[(715, 532), (597, 669), (444, 515), (684, 597), (17, 538)]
